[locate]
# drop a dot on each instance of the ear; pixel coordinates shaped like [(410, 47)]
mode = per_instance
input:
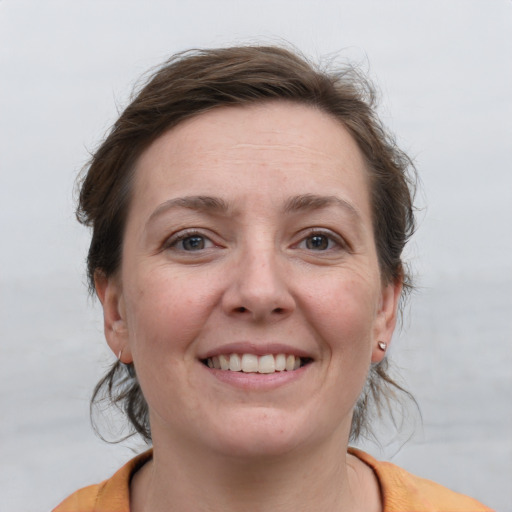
[(385, 321), (110, 293)]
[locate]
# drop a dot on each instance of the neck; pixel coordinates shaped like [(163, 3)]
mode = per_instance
[(319, 478)]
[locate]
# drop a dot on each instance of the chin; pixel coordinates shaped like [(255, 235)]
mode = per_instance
[(263, 433)]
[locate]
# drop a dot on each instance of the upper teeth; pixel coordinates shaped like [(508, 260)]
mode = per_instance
[(251, 363)]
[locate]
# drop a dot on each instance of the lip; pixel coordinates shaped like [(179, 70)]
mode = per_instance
[(257, 381), (258, 349)]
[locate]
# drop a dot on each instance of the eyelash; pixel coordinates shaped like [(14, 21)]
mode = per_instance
[(329, 235), (174, 240), (181, 236)]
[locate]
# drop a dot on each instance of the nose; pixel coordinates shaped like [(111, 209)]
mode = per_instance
[(258, 289)]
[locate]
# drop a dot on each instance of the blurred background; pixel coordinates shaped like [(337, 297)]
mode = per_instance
[(443, 69)]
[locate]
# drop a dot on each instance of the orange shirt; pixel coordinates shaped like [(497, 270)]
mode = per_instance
[(401, 491)]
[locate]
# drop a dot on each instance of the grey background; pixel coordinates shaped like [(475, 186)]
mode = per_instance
[(445, 76)]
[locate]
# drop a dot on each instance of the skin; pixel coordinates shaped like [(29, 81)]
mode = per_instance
[(274, 270)]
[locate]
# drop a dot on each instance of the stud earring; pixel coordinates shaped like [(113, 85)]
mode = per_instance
[(382, 345)]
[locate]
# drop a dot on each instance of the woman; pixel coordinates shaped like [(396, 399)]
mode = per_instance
[(249, 213)]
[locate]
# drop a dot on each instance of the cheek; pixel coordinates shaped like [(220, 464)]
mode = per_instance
[(166, 314), (345, 312), (166, 317), (343, 318)]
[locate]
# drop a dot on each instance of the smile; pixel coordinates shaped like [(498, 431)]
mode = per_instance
[(251, 363)]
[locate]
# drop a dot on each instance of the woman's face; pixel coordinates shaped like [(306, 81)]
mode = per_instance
[(249, 243)]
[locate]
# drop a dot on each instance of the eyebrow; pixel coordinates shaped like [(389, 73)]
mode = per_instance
[(198, 203), (310, 202), (210, 204)]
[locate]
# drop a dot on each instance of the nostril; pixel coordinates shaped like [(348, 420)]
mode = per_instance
[(243, 309)]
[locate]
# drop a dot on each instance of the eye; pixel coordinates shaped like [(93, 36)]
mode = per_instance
[(189, 242), (193, 243), (319, 241)]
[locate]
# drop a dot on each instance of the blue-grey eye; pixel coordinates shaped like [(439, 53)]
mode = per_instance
[(317, 242), (193, 243)]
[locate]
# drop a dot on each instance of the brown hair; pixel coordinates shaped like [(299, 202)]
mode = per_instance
[(196, 81)]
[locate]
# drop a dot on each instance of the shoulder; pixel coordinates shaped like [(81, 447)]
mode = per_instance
[(82, 500), (402, 490), (110, 495)]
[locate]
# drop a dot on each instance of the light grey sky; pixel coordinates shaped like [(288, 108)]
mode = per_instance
[(444, 71)]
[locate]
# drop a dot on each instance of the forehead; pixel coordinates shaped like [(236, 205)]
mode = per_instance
[(289, 145)]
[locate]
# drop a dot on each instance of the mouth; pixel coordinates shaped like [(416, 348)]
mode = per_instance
[(252, 363)]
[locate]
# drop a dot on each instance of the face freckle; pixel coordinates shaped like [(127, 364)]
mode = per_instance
[(255, 186)]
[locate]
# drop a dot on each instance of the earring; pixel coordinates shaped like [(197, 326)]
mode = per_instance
[(120, 354), (382, 345)]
